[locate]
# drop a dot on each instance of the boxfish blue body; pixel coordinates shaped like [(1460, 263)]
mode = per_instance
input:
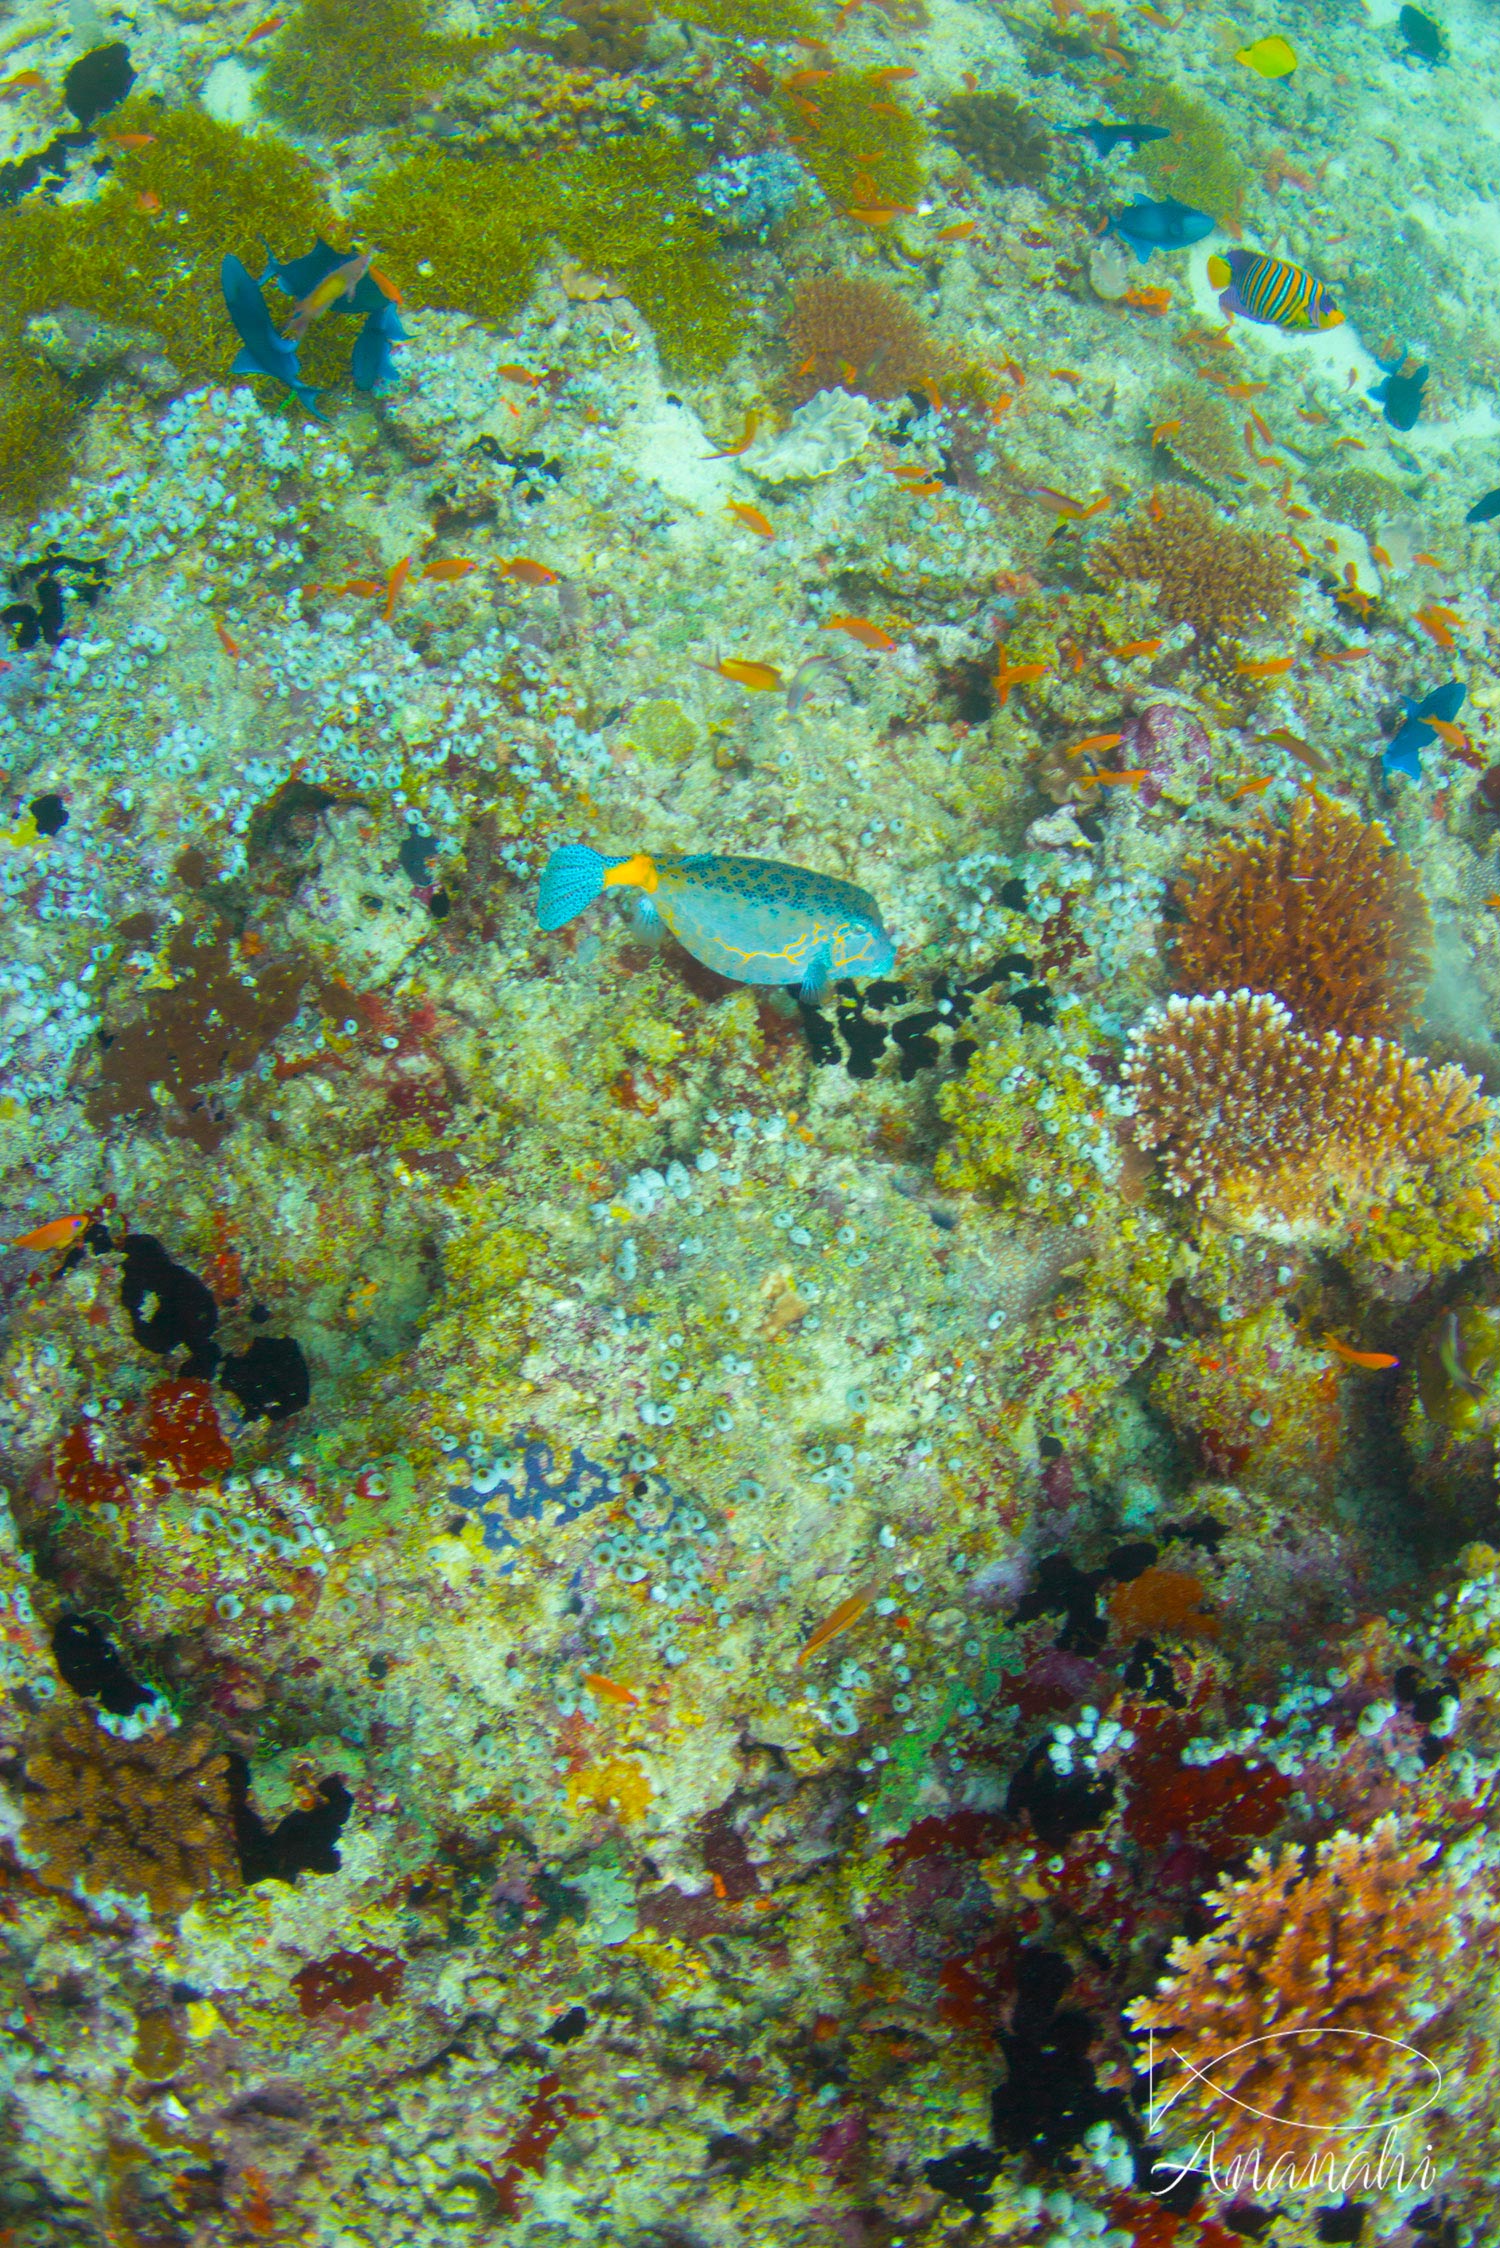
[(756, 921)]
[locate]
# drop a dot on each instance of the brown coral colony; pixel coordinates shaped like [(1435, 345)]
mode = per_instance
[(857, 335)]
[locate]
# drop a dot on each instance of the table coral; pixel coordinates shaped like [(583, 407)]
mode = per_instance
[(1325, 913), (1286, 1131), (113, 1816), (1351, 1942)]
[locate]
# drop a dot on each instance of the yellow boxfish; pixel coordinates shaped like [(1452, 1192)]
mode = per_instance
[(758, 921)]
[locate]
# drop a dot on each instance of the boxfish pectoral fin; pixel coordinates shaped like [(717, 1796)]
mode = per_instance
[(816, 977)]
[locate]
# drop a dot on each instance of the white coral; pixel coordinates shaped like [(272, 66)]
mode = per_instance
[(832, 429)]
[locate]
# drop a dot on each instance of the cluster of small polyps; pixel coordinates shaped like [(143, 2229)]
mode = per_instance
[(669, 1549), (1080, 1746), (1078, 2225), (1284, 1130), (994, 913), (45, 1016), (1292, 1740), (246, 1548)]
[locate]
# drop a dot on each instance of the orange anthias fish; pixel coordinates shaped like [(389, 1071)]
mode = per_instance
[(1133, 648), (1094, 742), (1373, 1361), (521, 567), (1250, 788), (752, 519), (24, 82), (369, 589), (230, 647), (747, 439), (1437, 622), (610, 1690), (57, 1233), (838, 1619), (1008, 675), (858, 628), (958, 233), (1132, 779), (757, 678), (263, 30), (1284, 738), (393, 585), (130, 140), (1272, 668), (342, 282), (447, 568)]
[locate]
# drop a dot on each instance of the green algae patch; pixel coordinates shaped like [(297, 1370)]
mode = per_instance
[(750, 19), (207, 189), (457, 236), (338, 69), (468, 238), (1198, 164), (857, 137)]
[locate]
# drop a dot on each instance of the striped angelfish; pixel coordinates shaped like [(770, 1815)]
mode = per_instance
[(1272, 291)]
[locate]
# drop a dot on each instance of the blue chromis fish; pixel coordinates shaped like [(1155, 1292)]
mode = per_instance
[(1402, 753), (265, 352), (1271, 291), (1167, 225), (1485, 510), (756, 921), (1401, 393), (1107, 138)]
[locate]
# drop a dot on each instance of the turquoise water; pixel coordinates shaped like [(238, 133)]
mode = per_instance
[(794, 1541)]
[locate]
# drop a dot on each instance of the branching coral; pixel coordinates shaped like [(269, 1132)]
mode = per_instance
[(1221, 580), (146, 1817), (1197, 434), (1300, 2006), (858, 335), (1324, 912), (340, 69), (1197, 163), (855, 138), (1283, 1130), (1001, 139)]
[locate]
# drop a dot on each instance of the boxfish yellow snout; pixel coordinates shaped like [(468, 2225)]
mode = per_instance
[(757, 921)]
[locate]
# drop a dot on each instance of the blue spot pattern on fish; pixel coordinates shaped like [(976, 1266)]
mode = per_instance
[(265, 351), (518, 1485), (1167, 225), (757, 921), (1400, 394), (1272, 291), (1402, 753)]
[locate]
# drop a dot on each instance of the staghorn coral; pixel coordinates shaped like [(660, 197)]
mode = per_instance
[(1324, 912), (1351, 1944), (997, 135), (146, 1817), (859, 336), (1282, 1130), (1221, 580), (1198, 435)]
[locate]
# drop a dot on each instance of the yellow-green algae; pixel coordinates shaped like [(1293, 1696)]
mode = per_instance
[(857, 133), (750, 19), (341, 69), (478, 231), (1198, 164)]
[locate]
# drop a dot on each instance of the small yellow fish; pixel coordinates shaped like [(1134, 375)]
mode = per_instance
[(1272, 668), (758, 678), (1094, 743), (393, 585), (752, 519), (1269, 58)]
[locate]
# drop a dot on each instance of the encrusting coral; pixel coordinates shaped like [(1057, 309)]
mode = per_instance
[(145, 1817), (1283, 1129), (860, 336), (1352, 1944), (1325, 913), (998, 136), (1210, 574)]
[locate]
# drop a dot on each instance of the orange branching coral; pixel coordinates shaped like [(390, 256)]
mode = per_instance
[(1223, 581), (858, 335), (146, 1817), (1300, 2006), (1325, 913), (1283, 1130)]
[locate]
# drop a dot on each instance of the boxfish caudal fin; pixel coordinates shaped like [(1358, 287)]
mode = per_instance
[(756, 921), (574, 876)]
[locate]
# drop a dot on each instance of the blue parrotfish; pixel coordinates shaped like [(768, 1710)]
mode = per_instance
[(1400, 393), (757, 921), (1402, 753), (1485, 510), (1271, 291), (330, 280), (1167, 225), (265, 352), (1107, 138)]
